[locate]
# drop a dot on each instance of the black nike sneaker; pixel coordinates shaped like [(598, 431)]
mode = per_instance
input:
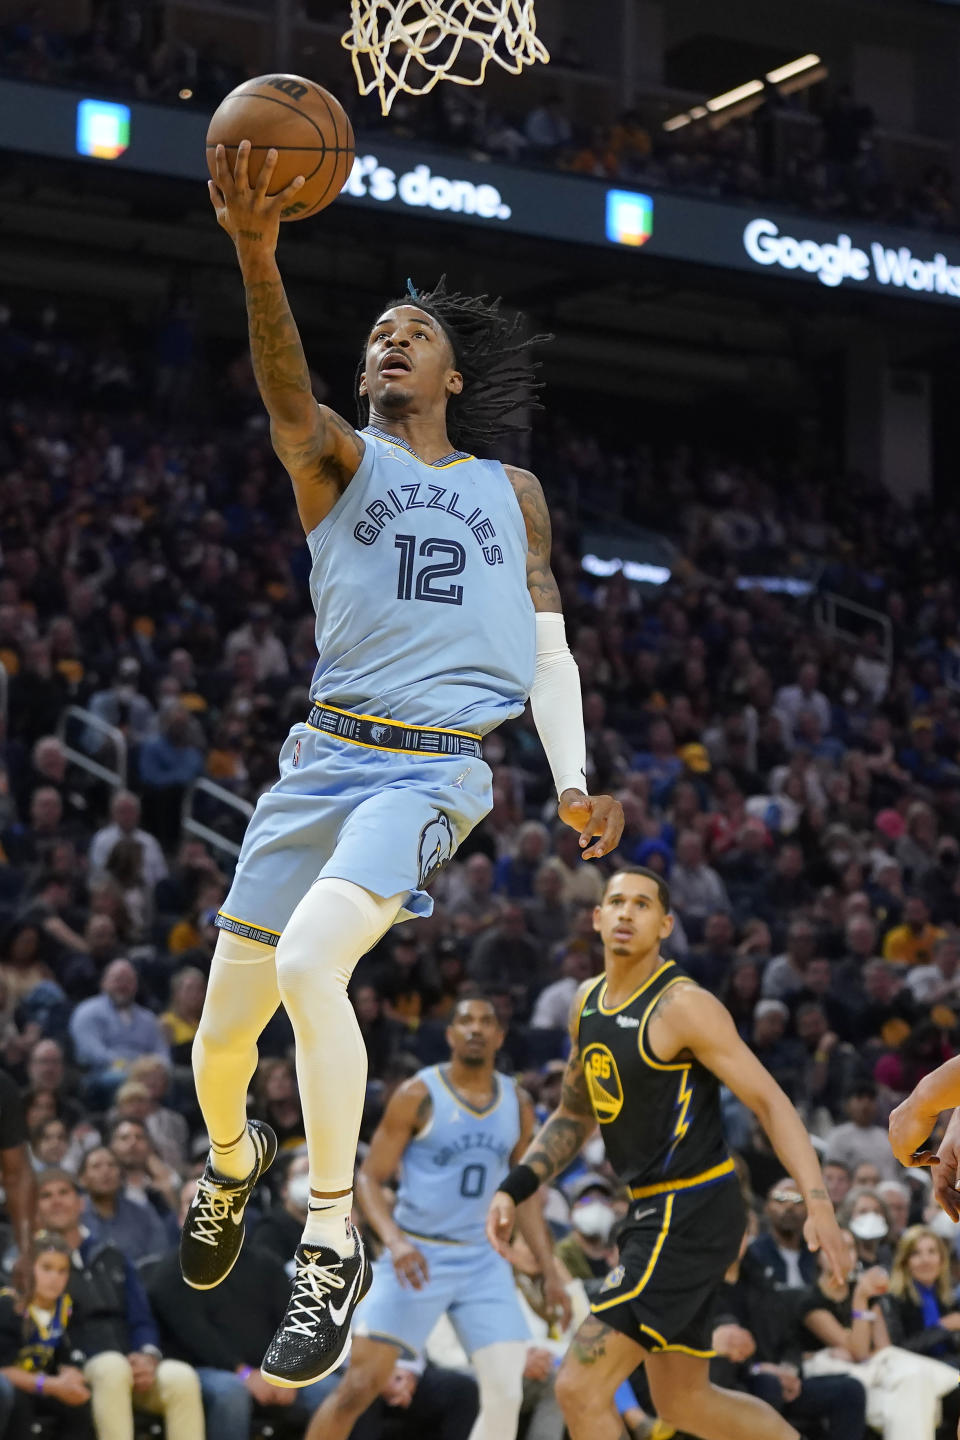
[(213, 1230), (314, 1335)]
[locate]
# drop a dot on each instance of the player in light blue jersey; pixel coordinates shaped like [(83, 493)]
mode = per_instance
[(452, 1131), (437, 618)]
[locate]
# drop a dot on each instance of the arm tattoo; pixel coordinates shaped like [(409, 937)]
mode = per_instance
[(283, 379), (278, 359), (574, 1096), (315, 456), (559, 1140), (590, 1342), (536, 517), (564, 1132), (665, 1001), (819, 1195)]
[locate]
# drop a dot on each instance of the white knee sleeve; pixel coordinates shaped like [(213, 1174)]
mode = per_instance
[(499, 1369), (335, 923)]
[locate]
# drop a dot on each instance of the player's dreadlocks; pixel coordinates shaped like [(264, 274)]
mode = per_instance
[(492, 353)]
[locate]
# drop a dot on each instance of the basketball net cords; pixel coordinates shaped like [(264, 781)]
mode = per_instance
[(504, 31)]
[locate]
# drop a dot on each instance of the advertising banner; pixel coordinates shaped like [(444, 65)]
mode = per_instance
[(406, 178)]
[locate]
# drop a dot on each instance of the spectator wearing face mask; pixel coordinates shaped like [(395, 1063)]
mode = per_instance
[(865, 1216), (586, 1252)]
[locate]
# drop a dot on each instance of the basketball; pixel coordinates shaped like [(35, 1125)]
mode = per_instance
[(305, 124)]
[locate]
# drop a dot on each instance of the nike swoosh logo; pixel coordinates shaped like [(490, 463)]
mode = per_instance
[(586, 1013), (237, 1216), (643, 1214), (339, 1316)]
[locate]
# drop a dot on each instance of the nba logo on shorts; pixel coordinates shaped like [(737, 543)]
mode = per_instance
[(296, 753), (614, 1279), (629, 217)]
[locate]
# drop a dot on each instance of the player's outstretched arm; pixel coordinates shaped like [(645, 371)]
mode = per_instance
[(555, 698), (320, 451), (406, 1114), (691, 1020), (557, 1142)]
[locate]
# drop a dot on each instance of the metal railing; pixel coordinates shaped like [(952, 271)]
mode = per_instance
[(828, 611), (117, 777), (190, 825)]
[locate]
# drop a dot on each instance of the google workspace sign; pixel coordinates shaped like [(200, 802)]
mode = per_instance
[(629, 217)]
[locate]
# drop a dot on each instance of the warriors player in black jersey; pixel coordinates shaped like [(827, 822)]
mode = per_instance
[(650, 1049)]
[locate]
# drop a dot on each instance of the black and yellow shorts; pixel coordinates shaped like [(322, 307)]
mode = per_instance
[(675, 1248)]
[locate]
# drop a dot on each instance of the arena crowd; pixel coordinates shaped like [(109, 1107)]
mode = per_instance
[(799, 790)]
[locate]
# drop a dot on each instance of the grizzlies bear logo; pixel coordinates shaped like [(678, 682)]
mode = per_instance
[(380, 734), (435, 848)]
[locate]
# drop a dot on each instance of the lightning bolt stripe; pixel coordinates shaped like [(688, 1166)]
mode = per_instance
[(684, 1096)]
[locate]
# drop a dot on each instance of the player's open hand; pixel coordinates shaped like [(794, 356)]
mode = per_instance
[(501, 1218), (909, 1127), (249, 215), (410, 1265), (822, 1232), (592, 815)]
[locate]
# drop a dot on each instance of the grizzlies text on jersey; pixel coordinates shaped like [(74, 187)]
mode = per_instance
[(419, 584), (450, 1171), (424, 618), (448, 1176)]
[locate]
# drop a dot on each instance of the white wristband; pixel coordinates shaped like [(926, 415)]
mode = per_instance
[(557, 705)]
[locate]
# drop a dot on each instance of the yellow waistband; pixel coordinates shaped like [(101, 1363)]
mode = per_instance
[(640, 1192), (400, 724)]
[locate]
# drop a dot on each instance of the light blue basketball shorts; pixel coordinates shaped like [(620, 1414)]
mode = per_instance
[(472, 1283), (387, 821)]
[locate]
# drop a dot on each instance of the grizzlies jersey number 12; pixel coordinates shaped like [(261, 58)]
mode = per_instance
[(419, 584)]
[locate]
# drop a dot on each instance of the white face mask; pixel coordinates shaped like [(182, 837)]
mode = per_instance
[(298, 1191), (869, 1226), (594, 1219)]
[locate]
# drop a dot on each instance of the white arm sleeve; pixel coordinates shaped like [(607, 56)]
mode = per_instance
[(557, 705)]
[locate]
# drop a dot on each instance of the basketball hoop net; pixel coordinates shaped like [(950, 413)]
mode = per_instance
[(433, 34)]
